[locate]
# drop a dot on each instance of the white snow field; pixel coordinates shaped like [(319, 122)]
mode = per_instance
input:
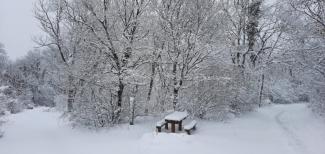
[(276, 129)]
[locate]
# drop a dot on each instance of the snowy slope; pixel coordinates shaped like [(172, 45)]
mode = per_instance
[(278, 129)]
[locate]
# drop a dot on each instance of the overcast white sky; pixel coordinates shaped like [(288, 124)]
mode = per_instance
[(17, 26)]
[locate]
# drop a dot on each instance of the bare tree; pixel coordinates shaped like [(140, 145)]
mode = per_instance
[(185, 30), (52, 19)]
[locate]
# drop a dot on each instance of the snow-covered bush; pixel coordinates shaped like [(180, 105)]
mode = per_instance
[(316, 91), (61, 102), (44, 96), (221, 90), (7, 100), (14, 106)]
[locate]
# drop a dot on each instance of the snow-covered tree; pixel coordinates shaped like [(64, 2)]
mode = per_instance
[(304, 51), (112, 60), (186, 30)]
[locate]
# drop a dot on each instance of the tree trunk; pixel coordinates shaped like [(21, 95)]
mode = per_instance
[(132, 110), (118, 111), (132, 104), (176, 86), (152, 77), (175, 97), (261, 90), (71, 93), (120, 93)]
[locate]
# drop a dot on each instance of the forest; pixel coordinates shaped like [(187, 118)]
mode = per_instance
[(104, 63)]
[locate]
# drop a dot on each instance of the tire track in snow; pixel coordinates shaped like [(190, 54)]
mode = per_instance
[(296, 143)]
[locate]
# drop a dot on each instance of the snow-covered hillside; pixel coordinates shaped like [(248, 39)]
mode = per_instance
[(277, 129)]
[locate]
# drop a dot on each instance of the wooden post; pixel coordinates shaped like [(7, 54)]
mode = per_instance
[(166, 125)]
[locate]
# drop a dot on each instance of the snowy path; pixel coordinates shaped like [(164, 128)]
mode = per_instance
[(278, 129), (296, 143)]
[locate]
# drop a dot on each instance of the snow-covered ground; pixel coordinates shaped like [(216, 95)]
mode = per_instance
[(276, 129)]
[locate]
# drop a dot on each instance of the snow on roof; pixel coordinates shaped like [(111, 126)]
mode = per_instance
[(177, 116)]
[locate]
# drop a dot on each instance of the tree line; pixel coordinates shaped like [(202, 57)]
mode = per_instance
[(105, 62)]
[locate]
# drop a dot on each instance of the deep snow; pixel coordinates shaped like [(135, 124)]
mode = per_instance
[(276, 129)]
